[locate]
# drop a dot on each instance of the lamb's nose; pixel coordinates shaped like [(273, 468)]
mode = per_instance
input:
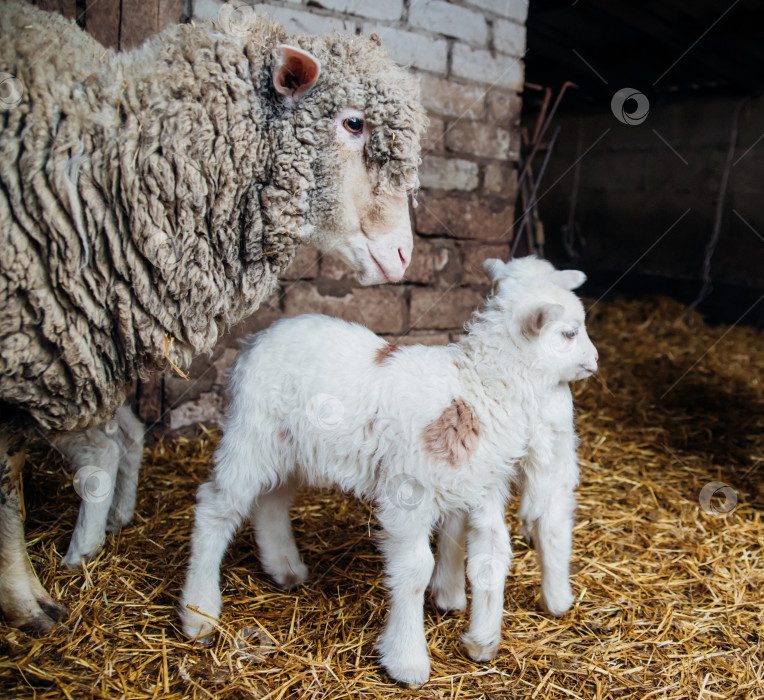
[(405, 259), (596, 357)]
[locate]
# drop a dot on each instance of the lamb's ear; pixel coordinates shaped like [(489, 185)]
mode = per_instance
[(568, 279), (540, 317), (296, 72), (494, 268)]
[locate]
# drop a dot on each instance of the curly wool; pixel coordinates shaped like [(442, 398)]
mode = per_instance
[(157, 194)]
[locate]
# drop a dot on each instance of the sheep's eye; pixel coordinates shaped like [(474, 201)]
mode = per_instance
[(571, 333), (353, 124)]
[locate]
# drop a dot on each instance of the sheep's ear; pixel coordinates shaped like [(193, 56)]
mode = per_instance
[(568, 279), (494, 268), (540, 317), (296, 72)]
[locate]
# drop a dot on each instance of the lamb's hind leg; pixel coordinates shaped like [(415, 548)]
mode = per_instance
[(447, 584), (217, 516), (25, 603), (275, 540)]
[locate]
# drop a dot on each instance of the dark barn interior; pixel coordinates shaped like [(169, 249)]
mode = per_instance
[(668, 201)]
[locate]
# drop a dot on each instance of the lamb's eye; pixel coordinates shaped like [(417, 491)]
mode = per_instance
[(353, 124), (571, 333)]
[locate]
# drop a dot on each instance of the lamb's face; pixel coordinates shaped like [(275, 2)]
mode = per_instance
[(544, 315), (560, 340)]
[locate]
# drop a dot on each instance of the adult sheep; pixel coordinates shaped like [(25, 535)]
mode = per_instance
[(150, 199)]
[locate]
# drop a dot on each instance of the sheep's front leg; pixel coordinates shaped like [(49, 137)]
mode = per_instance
[(408, 564), (546, 509), (94, 458), (132, 433), (25, 603), (447, 584), (488, 558)]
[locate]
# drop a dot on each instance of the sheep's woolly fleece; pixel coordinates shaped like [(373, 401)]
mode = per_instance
[(158, 194)]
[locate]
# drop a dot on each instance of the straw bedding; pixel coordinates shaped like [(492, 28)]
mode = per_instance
[(669, 597)]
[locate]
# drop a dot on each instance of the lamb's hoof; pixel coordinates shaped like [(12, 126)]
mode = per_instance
[(292, 578), (117, 520), (75, 560), (478, 651), (450, 600), (557, 603), (408, 671)]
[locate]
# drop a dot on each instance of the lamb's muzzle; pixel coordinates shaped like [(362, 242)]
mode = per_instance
[(434, 436)]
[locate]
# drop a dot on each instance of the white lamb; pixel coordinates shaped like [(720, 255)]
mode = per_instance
[(434, 436)]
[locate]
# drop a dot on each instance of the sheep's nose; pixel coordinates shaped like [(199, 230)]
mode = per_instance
[(596, 357), (405, 259)]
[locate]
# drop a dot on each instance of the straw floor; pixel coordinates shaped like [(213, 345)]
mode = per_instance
[(669, 598)]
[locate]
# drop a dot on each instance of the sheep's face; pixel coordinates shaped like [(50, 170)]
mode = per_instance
[(370, 231), (365, 124)]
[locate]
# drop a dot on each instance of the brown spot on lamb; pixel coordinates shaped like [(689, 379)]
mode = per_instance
[(453, 436), (384, 353)]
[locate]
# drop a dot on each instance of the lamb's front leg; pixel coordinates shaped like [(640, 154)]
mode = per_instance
[(488, 558), (408, 563), (546, 509)]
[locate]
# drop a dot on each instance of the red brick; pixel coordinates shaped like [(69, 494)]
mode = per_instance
[(501, 179), (433, 262), (472, 217), (473, 256), (432, 143), (383, 309), (442, 310), (304, 265), (504, 108), (334, 269)]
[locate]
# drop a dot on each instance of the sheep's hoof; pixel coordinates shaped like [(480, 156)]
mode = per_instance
[(42, 622), (408, 671), (477, 651)]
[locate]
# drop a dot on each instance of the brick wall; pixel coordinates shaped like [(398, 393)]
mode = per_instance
[(467, 55), (648, 195)]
